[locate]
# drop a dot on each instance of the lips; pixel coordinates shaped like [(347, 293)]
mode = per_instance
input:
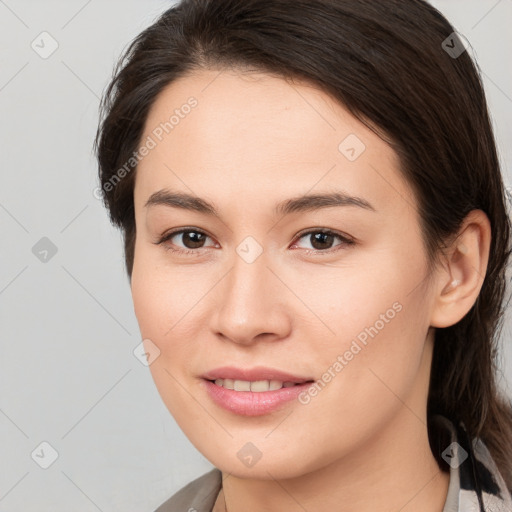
[(254, 374), (255, 391)]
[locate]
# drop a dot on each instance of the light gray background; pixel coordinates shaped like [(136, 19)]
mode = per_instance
[(68, 375)]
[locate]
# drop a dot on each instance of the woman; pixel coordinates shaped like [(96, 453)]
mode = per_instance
[(316, 238)]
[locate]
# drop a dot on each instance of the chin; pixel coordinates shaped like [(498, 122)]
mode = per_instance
[(270, 465), (263, 470)]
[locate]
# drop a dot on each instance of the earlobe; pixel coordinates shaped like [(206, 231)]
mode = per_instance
[(460, 282)]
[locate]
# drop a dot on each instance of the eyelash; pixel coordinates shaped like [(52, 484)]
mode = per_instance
[(345, 241)]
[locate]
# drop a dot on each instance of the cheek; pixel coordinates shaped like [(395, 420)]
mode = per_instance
[(170, 308), (150, 305), (162, 297), (376, 319), (163, 305), (373, 293)]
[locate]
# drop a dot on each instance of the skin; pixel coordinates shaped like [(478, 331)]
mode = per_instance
[(253, 141)]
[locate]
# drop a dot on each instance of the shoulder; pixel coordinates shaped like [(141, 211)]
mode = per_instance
[(197, 496)]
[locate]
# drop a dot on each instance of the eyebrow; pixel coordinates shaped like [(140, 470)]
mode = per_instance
[(304, 203)]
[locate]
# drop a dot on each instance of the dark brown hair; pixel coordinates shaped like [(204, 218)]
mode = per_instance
[(385, 62)]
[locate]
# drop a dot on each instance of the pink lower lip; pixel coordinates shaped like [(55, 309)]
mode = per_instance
[(251, 403)]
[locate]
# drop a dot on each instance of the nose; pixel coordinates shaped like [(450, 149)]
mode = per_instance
[(252, 304)]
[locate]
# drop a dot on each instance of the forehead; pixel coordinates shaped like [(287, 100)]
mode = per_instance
[(221, 133)]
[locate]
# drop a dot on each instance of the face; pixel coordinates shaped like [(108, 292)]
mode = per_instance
[(277, 242)]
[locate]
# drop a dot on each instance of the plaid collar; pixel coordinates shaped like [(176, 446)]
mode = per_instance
[(476, 484)]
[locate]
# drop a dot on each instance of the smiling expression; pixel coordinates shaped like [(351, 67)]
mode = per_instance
[(273, 229)]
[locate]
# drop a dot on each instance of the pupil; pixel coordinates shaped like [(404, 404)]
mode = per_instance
[(322, 238), (195, 239)]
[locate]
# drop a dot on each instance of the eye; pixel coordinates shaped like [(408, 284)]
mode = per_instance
[(190, 239), (322, 240)]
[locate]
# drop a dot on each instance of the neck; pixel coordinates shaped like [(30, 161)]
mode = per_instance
[(396, 471)]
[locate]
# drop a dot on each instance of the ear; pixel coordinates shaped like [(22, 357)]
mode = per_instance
[(465, 264)]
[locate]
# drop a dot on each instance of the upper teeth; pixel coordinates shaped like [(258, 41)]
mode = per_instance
[(257, 385)]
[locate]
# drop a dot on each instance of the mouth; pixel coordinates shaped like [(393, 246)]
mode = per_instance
[(257, 374), (253, 392), (257, 386)]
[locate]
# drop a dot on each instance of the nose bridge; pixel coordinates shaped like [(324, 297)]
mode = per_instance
[(248, 297)]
